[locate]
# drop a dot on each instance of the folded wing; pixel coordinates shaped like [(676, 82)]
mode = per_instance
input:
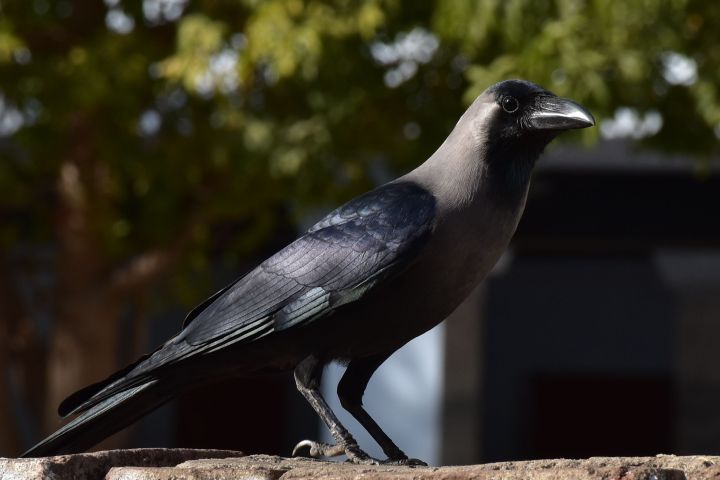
[(337, 261)]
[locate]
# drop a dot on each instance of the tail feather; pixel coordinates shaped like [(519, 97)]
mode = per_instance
[(81, 400), (104, 419)]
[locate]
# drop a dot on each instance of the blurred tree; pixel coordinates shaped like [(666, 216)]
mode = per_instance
[(139, 139)]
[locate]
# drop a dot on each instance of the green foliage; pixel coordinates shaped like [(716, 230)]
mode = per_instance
[(198, 38), (9, 43), (239, 112), (605, 53)]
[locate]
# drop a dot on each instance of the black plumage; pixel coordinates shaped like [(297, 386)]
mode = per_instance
[(370, 276)]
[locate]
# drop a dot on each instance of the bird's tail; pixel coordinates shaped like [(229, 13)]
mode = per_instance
[(105, 418)]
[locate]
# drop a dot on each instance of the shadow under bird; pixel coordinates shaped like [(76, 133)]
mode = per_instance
[(366, 279)]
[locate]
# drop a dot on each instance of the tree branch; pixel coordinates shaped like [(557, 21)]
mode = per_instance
[(79, 197), (143, 270), (16, 336), (147, 268)]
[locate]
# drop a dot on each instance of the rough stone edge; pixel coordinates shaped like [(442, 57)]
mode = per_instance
[(96, 465), (264, 467)]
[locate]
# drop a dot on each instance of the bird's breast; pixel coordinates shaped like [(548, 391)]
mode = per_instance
[(462, 249), (459, 255)]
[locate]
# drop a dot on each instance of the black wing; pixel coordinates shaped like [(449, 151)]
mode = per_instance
[(334, 263)]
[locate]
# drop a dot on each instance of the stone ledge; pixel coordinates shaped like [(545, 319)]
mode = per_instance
[(263, 467), (94, 466), (185, 464)]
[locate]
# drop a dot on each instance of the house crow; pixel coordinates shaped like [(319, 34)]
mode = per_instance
[(363, 281)]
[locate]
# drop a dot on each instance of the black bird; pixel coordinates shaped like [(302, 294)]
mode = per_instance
[(372, 275)]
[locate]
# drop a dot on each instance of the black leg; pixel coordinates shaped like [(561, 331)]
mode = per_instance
[(350, 391), (307, 378)]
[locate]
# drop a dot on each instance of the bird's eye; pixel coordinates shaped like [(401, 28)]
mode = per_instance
[(510, 104)]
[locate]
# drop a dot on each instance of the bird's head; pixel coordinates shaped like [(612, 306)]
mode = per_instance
[(494, 145), (523, 114), (512, 122)]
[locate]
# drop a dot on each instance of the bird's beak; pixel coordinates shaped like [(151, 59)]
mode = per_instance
[(556, 113)]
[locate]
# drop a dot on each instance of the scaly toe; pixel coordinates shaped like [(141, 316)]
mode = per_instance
[(356, 455), (410, 462), (318, 449)]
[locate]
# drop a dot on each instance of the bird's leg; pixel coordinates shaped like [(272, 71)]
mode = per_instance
[(307, 378), (350, 391)]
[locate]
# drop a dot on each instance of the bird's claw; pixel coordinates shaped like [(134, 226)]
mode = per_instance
[(319, 449)]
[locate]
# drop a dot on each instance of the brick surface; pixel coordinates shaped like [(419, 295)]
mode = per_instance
[(181, 464), (263, 467), (94, 466)]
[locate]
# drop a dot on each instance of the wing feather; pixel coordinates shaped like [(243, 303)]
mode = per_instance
[(335, 262), (340, 258)]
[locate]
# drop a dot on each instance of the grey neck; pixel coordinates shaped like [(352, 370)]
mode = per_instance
[(468, 168)]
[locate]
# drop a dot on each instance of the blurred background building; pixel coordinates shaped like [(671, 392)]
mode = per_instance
[(152, 151)]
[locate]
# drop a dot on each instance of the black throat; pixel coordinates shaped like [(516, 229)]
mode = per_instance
[(509, 167)]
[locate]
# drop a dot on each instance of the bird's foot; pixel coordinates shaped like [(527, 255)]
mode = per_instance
[(319, 449), (356, 455), (409, 462)]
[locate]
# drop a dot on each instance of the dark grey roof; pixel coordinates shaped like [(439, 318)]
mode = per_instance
[(622, 156)]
